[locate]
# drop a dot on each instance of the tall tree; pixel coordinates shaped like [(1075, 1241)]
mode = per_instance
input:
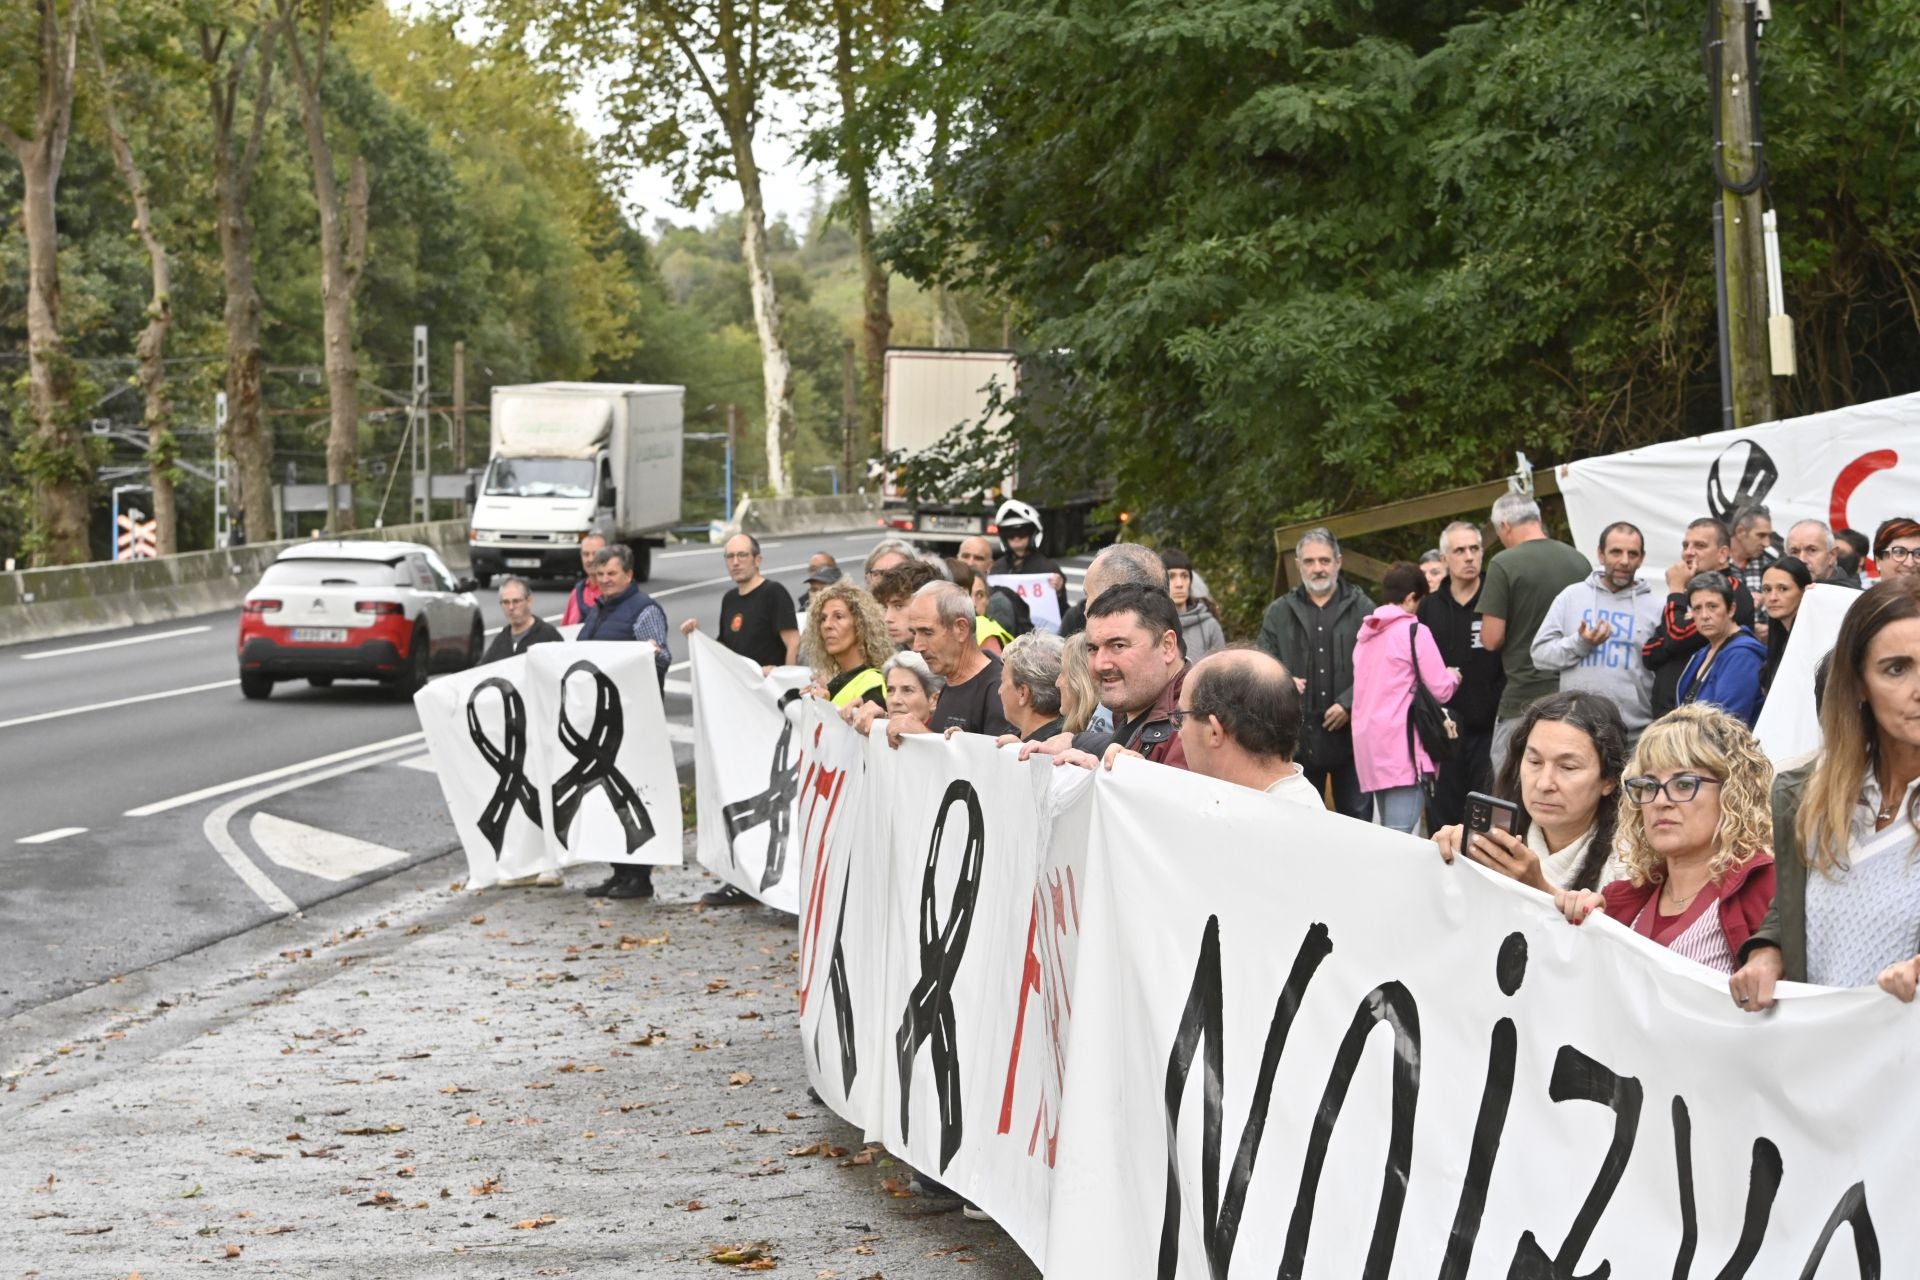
[(157, 416), (343, 255), (687, 88), (55, 459), (229, 50)]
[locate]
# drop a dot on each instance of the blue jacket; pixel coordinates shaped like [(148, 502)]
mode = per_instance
[(630, 615), (1733, 684)]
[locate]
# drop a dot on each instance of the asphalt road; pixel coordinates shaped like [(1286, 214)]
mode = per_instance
[(135, 778)]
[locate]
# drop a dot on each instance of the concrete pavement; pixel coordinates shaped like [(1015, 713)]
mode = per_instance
[(415, 1081)]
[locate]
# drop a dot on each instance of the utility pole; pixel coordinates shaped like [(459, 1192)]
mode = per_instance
[(420, 445), (849, 414), (460, 414), (1747, 363), (733, 427)]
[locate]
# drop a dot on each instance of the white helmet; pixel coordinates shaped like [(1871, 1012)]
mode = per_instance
[(1017, 513)]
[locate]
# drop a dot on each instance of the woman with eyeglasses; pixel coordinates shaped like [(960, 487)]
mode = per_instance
[(1693, 840), (1896, 548), (1563, 769), (1726, 673), (1847, 825), (1782, 585)]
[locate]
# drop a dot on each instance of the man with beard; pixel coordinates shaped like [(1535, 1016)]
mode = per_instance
[(1312, 631), (1593, 631)]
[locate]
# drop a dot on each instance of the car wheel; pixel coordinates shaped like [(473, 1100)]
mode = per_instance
[(255, 686), (642, 562), (320, 682), (476, 646), (419, 664)]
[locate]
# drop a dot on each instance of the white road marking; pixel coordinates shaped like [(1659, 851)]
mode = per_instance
[(675, 555), (680, 666), (207, 793), (312, 851), (48, 837), (117, 702), (229, 849), (677, 732), (113, 644), (1068, 570), (714, 582), (422, 762), (678, 686)]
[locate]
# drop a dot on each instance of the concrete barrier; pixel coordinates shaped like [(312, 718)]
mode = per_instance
[(767, 517), (44, 604)]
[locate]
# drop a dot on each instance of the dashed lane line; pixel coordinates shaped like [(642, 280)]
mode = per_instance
[(117, 702), (48, 837), (114, 644)]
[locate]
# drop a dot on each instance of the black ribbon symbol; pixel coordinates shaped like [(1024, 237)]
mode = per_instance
[(508, 760), (594, 762), (930, 1005), (774, 806)]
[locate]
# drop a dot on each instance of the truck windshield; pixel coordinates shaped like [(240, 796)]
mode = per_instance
[(540, 478)]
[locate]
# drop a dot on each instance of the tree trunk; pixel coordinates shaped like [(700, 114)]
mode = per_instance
[(152, 346), (876, 325), (60, 468), (775, 368)]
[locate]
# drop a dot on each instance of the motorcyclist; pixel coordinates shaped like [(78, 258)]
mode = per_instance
[(1020, 537)]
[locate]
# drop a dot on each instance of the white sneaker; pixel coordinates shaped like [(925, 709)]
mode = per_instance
[(545, 880)]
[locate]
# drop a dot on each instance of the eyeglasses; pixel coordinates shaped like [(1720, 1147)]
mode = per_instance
[(1680, 788), (738, 555), (1179, 717), (1898, 553)]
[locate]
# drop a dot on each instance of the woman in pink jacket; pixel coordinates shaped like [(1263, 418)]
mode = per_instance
[(1383, 676)]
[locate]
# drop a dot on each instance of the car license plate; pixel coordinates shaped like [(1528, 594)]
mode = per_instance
[(950, 524), (319, 635), (523, 562)]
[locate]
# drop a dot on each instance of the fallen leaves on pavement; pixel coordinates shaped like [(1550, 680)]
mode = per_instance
[(373, 1131), (534, 1224)]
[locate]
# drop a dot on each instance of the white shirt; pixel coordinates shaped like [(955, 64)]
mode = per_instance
[(1296, 788), (1559, 867)]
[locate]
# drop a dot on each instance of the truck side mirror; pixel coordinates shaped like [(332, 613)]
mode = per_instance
[(609, 496)]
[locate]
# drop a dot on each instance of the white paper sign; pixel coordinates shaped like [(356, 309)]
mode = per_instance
[(487, 754), (1849, 468), (1789, 724), (1043, 605)]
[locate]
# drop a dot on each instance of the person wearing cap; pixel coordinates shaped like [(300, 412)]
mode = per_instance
[(822, 571), (1896, 548)]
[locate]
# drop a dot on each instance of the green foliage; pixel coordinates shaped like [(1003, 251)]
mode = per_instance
[(1308, 257)]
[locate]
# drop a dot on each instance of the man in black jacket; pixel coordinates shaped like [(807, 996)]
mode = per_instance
[(625, 612), (1453, 615), (523, 630), (1706, 547), (1312, 630)]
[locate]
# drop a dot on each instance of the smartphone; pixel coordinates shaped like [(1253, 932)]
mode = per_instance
[(1485, 813)]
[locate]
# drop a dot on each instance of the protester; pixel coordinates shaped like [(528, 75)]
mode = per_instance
[(1896, 547), (1197, 622), (977, 554), (1392, 654), (1239, 721), (522, 630), (1133, 649), (1781, 587), (993, 637), (1850, 556), (1434, 565), (1030, 686), (1846, 826), (1452, 614), (756, 615), (1123, 562), (586, 592), (941, 622), (1812, 544), (1564, 772), (1705, 548), (1751, 545), (888, 553), (1726, 673), (625, 612), (894, 590), (1593, 631), (913, 690), (1522, 583), (1079, 691), (1693, 840), (1311, 631), (822, 571), (845, 644), (1021, 534)]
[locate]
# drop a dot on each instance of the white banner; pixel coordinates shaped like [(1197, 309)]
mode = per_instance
[(514, 769), (1139, 1016), (1043, 603), (1850, 468), (1789, 725)]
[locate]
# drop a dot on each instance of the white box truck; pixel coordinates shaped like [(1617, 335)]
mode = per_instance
[(570, 458)]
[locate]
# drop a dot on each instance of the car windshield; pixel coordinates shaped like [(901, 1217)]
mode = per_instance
[(540, 478), (334, 573)]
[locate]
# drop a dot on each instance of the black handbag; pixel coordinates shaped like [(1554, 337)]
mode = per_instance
[(1427, 717)]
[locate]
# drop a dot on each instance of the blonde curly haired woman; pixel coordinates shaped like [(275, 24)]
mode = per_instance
[(1695, 835), (845, 642)]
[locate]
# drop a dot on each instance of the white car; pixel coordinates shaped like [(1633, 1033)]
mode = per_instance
[(388, 611)]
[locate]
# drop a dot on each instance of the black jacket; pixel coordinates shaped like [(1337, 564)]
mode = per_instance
[(1456, 630), (505, 645), (1287, 634)]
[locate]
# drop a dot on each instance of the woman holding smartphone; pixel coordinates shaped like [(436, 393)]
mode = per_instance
[(1693, 840), (1563, 773)]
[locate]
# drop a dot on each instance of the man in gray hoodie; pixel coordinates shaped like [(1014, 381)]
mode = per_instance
[(1594, 629)]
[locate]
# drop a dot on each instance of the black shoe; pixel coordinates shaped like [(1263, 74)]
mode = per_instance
[(632, 888), (605, 887), (726, 896)]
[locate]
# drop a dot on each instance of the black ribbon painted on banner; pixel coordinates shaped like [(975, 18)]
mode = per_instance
[(773, 807), (842, 991), (929, 1012), (595, 762), (508, 761)]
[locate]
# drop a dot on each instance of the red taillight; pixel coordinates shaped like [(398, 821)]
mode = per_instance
[(260, 606), (378, 606), (905, 526)]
